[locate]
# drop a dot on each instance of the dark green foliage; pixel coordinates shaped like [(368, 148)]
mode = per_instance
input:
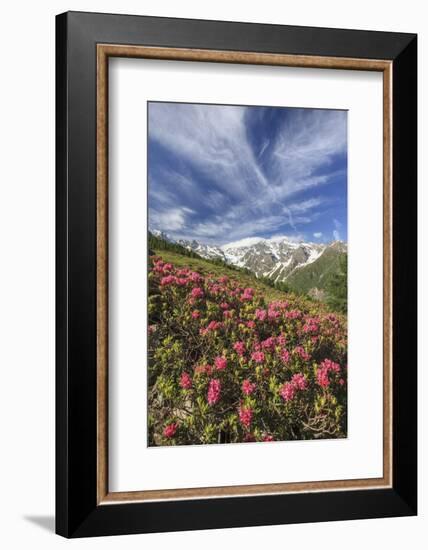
[(317, 274), (337, 287), (279, 285)]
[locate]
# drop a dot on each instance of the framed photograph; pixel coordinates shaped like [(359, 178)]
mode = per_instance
[(236, 274)]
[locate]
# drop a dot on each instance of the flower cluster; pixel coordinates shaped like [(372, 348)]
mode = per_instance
[(324, 372), (226, 366), (214, 390), (185, 381), (170, 429), (248, 387), (297, 383), (245, 416), (220, 363)]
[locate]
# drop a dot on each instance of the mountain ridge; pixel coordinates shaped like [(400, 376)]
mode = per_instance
[(281, 259)]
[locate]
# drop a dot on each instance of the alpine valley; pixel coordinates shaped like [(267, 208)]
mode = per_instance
[(304, 267)]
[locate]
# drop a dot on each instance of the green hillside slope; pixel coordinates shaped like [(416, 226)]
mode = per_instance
[(318, 274), (204, 267), (316, 280)]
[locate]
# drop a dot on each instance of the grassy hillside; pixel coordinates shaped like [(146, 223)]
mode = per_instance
[(204, 267), (318, 274)]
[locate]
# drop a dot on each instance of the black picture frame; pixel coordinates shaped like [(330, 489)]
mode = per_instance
[(77, 511)]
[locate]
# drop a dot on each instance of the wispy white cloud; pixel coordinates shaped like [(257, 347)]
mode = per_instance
[(245, 197), (305, 205), (211, 137), (336, 232), (318, 234), (249, 241), (172, 219), (265, 145)]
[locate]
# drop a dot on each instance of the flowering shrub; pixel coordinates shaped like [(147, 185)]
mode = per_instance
[(226, 367)]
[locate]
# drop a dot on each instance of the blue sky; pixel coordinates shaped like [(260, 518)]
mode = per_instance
[(220, 174)]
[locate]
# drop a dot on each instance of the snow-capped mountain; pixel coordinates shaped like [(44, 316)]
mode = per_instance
[(273, 258), (276, 258), (205, 250)]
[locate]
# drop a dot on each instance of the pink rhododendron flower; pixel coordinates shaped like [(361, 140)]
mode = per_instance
[(281, 340), (251, 324), (258, 356), (214, 325), (214, 390), (273, 314), (228, 314), (220, 363), (168, 280), (268, 437), (326, 366), (167, 267), (285, 355), (195, 277), (311, 325), (299, 381), (245, 416), (247, 295), (185, 381), (197, 292), (322, 378), (268, 344), (299, 350), (331, 365), (279, 304), (261, 314), (248, 387), (170, 429), (287, 391), (158, 266), (293, 314), (239, 347), (215, 289), (224, 305), (196, 314)]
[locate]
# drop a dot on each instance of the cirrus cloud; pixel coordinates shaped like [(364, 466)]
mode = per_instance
[(223, 173)]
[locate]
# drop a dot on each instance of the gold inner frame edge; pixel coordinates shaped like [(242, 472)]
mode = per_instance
[(104, 51)]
